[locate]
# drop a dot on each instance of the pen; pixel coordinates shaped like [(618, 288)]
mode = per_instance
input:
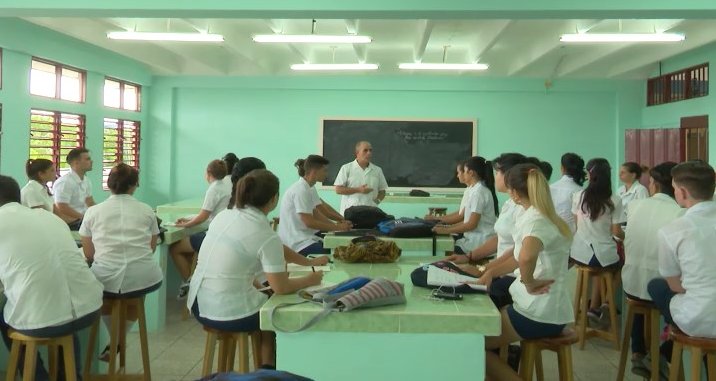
[(313, 269)]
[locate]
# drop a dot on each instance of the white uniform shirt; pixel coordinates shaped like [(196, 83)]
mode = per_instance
[(636, 192), (72, 190), (34, 194), (641, 247), (47, 281), (299, 198), (563, 191), (239, 247), (121, 229), (478, 200), (554, 307), (353, 176), (216, 198), (686, 250), (594, 238), (505, 226)]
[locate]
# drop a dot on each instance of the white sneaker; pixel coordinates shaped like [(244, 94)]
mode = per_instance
[(183, 291)]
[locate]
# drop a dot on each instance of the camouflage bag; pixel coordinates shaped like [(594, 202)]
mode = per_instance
[(368, 249)]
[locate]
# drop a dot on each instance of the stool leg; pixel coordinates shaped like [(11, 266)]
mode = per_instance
[(564, 360), (231, 352), (625, 342), (143, 341), (696, 358), (28, 373), (68, 351), (124, 305), (527, 362), (504, 351), (52, 361), (614, 324), (256, 348), (89, 356), (675, 367), (584, 288), (12, 362), (222, 354), (208, 354), (654, 319), (711, 366), (243, 339), (113, 339), (538, 366), (578, 293)]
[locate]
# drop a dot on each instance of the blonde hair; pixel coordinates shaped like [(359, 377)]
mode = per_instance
[(528, 180)]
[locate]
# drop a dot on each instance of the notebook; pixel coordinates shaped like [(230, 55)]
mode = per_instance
[(439, 277), (292, 267)]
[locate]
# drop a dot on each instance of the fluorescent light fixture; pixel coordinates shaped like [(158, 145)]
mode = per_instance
[(443, 66), (150, 36), (311, 38), (622, 37), (332, 67)]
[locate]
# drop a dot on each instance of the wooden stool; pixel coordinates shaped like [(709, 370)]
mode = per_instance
[(194, 261), (607, 276), (651, 327), (31, 343), (118, 337), (531, 359), (227, 350), (698, 347), (437, 212)]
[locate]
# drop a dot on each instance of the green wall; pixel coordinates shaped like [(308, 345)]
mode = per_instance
[(669, 115), (277, 118), (20, 41)]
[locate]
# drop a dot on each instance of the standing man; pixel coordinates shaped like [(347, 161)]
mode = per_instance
[(73, 191), (361, 182)]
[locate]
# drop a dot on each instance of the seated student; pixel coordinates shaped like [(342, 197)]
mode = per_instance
[(629, 174), (121, 253), (300, 215), (49, 289), (215, 200), (502, 242), (453, 217), (599, 216), (686, 295), (36, 194), (73, 190), (239, 245), (563, 190), (542, 303), (479, 209), (641, 265)]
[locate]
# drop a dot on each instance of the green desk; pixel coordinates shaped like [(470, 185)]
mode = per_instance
[(404, 198), (443, 242), (181, 208), (403, 342)]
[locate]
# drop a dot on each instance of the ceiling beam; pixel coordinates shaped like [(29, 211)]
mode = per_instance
[(488, 39), (539, 47), (94, 31), (425, 30), (276, 26), (361, 50)]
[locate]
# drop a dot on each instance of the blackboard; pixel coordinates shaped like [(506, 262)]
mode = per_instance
[(412, 154)]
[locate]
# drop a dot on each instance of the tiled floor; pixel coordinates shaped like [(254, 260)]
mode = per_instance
[(177, 353)]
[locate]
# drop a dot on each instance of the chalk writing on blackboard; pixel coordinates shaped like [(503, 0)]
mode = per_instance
[(421, 136)]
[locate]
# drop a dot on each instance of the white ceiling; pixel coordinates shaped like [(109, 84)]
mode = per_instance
[(512, 48)]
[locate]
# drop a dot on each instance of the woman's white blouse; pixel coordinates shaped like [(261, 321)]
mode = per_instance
[(121, 229), (239, 247), (554, 307), (34, 195), (594, 238)]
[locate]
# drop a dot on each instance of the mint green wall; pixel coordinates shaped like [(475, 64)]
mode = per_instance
[(20, 41), (669, 115), (277, 118)]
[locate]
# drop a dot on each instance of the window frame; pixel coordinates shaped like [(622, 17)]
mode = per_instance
[(678, 85), (119, 156), (122, 84), (57, 140), (58, 80)]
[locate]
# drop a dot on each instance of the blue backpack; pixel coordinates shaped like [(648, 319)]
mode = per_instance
[(259, 375), (407, 228)]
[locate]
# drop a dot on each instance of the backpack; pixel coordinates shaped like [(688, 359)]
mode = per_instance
[(258, 375), (407, 228), (365, 217), (368, 249)]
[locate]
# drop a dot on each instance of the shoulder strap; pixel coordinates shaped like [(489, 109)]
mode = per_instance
[(327, 309)]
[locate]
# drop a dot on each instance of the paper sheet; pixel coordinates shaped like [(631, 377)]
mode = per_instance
[(292, 267), (440, 277)]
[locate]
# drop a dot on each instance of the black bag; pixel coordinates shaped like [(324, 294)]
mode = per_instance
[(407, 228), (419, 193), (365, 217), (419, 277)]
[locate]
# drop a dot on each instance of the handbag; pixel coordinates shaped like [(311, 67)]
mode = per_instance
[(419, 277), (368, 249), (354, 293)]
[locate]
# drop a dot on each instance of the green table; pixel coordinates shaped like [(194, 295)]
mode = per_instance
[(442, 243), (404, 198), (402, 342)]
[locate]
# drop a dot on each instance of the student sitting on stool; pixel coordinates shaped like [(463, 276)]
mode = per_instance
[(49, 288), (686, 295), (215, 200)]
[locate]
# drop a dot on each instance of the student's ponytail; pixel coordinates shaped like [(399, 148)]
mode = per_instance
[(573, 165), (299, 164), (489, 178), (528, 180), (256, 189)]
